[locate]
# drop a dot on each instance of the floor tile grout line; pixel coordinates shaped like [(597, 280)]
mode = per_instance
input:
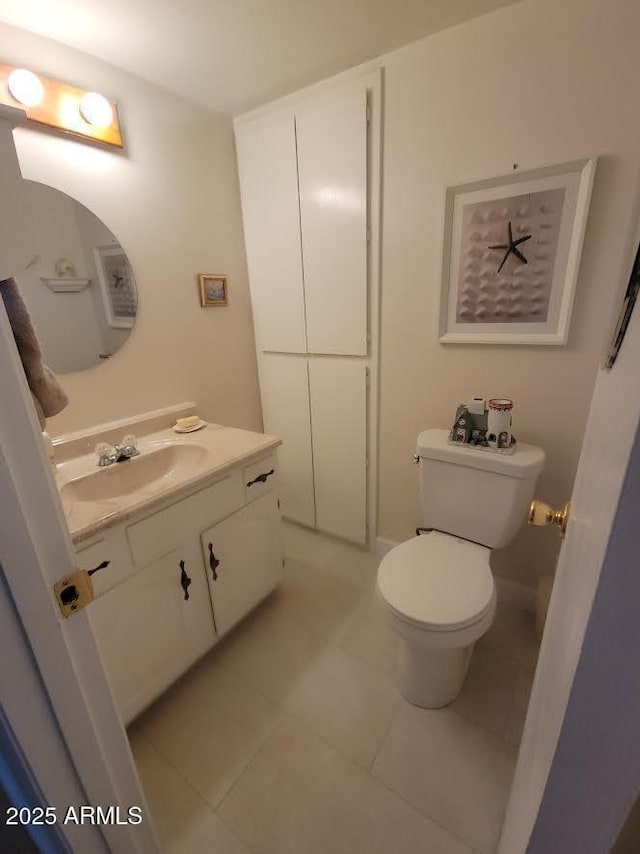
[(189, 786), (183, 779), (333, 748), (250, 848), (246, 768), (211, 806), (398, 794), (484, 728), (419, 812), (241, 682), (395, 717)]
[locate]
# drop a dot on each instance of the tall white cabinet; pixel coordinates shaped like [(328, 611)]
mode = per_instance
[(309, 180)]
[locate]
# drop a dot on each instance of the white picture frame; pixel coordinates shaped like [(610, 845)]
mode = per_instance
[(117, 286), (488, 295)]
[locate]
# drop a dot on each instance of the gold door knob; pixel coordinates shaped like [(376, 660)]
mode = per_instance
[(541, 514)]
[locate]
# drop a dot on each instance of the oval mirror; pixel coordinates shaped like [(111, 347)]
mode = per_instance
[(78, 286)]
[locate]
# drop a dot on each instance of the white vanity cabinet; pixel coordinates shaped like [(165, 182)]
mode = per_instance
[(158, 606)]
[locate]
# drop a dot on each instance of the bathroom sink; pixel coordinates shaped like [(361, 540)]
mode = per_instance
[(155, 467)]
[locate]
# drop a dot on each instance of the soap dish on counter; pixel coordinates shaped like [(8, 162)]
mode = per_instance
[(191, 429)]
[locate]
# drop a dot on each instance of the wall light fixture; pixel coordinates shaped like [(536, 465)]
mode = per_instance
[(25, 87), (61, 106)]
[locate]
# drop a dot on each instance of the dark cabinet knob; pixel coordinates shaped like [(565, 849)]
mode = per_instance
[(214, 563), (185, 581)]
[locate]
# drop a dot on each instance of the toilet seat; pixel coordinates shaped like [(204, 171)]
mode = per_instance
[(438, 582)]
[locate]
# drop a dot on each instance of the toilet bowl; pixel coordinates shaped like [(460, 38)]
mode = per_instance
[(440, 596)]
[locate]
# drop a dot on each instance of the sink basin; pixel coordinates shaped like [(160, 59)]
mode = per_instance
[(155, 467)]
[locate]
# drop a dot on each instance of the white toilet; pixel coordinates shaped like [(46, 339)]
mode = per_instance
[(438, 587)]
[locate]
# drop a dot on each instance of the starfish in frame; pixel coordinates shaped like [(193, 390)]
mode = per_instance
[(512, 247)]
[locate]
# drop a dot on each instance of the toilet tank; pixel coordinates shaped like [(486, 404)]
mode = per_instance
[(475, 493)]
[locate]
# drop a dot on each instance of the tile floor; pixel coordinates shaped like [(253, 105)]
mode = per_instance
[(290, 737)]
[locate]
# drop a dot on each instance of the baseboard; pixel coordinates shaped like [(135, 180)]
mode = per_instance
[(508, 591)]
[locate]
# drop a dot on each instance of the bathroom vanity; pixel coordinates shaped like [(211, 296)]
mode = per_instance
[(181, 542)]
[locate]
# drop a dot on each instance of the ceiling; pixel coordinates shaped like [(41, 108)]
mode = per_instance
[(231, 55)]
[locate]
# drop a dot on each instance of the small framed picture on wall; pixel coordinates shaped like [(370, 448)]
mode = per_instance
[(213, 289)]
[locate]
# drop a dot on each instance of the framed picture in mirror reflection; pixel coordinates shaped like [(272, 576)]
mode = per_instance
[(213, 289), (115, 278)]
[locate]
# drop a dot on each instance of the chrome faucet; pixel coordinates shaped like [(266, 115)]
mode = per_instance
[(109, 454)]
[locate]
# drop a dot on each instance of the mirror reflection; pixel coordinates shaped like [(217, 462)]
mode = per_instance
[(78, 286)]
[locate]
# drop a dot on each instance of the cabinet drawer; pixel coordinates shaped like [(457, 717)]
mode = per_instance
[(259, 477), (161, 532)]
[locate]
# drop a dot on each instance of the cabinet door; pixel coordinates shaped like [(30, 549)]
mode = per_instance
[(338, 390), (244, 558), (269, 188), (284, 389), (332, 169), (141, 631)]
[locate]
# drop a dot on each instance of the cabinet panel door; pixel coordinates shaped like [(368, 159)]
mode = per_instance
[(269, 188), (332, 168), (284, 389), (244, 558), (339, 427), (141, 633)]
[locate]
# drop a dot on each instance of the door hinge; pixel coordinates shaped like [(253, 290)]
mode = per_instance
[(368, 234), (367, 372), (368, 112), (74, 592)]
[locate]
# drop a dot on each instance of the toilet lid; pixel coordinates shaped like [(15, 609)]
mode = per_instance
[(438, 581)]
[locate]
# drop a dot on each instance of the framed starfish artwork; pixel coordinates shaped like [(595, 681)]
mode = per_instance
[(511, 254)]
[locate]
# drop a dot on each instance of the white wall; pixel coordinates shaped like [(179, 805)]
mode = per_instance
[(538, 82), (172, 200)]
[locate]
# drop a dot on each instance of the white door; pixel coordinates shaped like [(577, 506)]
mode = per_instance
[(331, 135), (595, 779), (266, 150), (36, 551), (244, 553), (338, 392), (284, 390)]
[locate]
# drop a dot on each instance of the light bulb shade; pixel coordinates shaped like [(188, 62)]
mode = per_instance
[(25, 87), (96, 110)]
